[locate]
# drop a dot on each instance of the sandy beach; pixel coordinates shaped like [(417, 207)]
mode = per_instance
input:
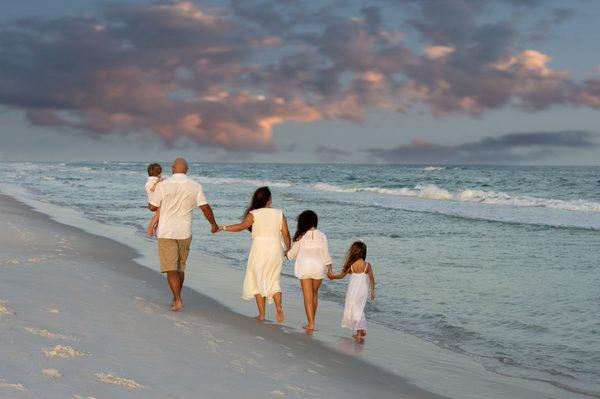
[(80, 319)]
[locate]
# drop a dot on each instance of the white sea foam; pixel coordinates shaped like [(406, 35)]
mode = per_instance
[(433, 192), (433, 168)]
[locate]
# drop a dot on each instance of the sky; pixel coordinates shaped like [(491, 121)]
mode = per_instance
[(375, 81)]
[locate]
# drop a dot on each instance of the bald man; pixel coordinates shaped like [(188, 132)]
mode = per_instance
[(177, 197)]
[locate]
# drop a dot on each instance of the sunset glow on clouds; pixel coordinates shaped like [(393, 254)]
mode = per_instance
[(227, 77)]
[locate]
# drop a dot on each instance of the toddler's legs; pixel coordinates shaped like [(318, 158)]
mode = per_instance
[(151, 229)]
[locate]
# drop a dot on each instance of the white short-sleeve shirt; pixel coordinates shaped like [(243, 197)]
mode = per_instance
[(177, 197)]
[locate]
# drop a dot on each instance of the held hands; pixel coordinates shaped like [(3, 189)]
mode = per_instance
[(214, 228)]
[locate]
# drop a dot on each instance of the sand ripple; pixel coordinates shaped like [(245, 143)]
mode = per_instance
[(51, 373), (45, 333), (6, 385), (65, 352), (5, 311), (123, 382)]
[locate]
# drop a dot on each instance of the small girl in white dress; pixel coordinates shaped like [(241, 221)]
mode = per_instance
[(361, 277), (312, 256)]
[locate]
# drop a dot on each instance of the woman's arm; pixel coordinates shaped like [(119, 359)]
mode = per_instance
[(246, 223), (371, 280), (293, 252), (286, 233)]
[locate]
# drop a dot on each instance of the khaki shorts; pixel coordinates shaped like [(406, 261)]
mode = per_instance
[(173, 254)]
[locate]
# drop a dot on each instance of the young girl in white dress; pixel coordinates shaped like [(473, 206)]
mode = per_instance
[(361, 277), (311, 252), (263, 272)]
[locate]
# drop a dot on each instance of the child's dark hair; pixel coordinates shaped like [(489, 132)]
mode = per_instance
[(358, 250), (306, 221), (154, 169), (260, 198)]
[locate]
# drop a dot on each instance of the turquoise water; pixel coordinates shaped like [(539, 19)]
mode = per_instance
[(502, 263)]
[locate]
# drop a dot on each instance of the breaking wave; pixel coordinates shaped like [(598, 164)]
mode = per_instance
[(433, 192)]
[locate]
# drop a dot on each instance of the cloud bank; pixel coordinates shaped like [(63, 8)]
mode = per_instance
[(226, 77), (513, 147)]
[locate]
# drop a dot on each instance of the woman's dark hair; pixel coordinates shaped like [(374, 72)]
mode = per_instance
[(358, 250), (306, 221), (260, 198)]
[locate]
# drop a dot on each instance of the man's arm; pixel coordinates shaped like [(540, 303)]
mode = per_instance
[(210, 216)]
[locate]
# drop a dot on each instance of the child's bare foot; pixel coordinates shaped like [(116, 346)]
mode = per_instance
[(177, 305), (280, 317)]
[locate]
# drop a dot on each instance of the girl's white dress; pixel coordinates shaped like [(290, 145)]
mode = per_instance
[(312, 254), (266, 255), (356, 299)]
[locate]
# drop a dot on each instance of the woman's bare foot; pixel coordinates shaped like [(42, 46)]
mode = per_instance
[(177, 305), (309, 329), (280, 317), (260, 318)]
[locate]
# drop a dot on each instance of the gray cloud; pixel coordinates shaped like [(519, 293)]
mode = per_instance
[(227, 77), (514, 147)]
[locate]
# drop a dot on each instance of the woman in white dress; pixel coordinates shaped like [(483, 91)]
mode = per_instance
[(311, 252), (361, 276), (263, 272)]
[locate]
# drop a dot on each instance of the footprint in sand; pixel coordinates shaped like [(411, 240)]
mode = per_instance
[(237, 366), (65, 352), (45, 333), (120, 381), (51, 373), (7, 385), (294, 389)]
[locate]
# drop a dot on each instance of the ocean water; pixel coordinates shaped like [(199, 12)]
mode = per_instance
[(501, 263)]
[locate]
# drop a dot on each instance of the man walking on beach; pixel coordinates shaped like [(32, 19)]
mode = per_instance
[(177, 197)]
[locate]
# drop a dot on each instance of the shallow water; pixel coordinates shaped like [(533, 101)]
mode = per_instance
[(498, 262)]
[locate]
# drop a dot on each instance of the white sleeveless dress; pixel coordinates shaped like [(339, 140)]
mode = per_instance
[(266, 255), (356, 299), (312, 254)]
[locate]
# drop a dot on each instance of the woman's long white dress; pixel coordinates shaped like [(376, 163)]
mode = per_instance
[(263, 272), (312, 254), (356, 299)]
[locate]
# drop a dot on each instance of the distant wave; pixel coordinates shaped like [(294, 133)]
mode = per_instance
[(433, 168), (433, 192), (250, 182)]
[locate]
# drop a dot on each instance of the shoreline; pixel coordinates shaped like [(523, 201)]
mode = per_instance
[(438, 363)]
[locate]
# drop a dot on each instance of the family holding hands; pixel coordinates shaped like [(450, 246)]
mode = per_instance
[(174, 200)]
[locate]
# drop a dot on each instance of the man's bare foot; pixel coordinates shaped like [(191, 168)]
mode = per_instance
[(280, 317), (308, 328), (260, 318), (177, 305)]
